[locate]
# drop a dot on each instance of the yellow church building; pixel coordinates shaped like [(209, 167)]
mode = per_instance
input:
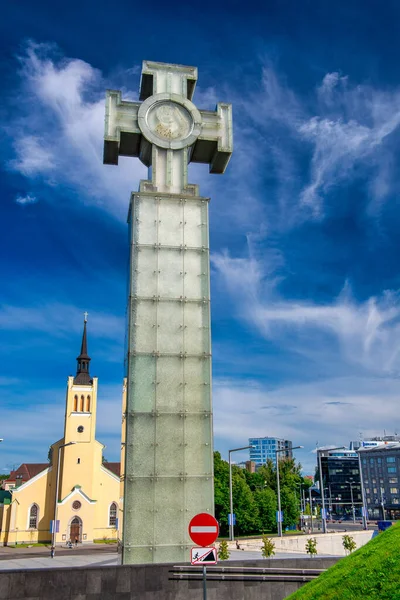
[(75, 488)]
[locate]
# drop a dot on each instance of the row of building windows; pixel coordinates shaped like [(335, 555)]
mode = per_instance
[(389, 459), (33, 516), (80, 406)]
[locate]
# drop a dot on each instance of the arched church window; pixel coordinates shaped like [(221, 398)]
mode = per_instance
[(75, 403), (33, 516), (82, 403), (88, 404), (112, 519)]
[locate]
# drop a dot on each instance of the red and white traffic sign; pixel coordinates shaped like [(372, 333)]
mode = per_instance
[(203, 529), (207, 556)]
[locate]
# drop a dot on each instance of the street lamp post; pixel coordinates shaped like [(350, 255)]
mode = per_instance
[(350, 483), (364, 504), (278, 487), (231, 526), (321, 485), (53, 534)]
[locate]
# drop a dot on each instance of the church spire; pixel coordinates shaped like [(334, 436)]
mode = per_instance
[(82, 374)]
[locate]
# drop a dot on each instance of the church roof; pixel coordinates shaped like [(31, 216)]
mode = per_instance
[(26, 471), (114, 467), (82, 376)]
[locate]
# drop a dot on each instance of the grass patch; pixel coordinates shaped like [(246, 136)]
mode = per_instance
[(372, 572), (101, 541)]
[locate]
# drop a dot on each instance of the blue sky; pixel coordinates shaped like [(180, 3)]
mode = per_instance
[(304, 224)]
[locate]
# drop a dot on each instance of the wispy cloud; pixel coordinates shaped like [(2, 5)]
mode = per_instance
[(368, 332), (58, 136), (28, 199), (370, 404), (344, 124)]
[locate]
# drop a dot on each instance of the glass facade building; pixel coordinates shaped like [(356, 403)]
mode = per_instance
[(381, 472), (265, 448), (341, 481)]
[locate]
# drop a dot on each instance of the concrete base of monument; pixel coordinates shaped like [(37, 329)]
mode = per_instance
[(328, 544), (161, 582)]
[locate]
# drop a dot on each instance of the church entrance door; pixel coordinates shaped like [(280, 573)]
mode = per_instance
[(75, 530)]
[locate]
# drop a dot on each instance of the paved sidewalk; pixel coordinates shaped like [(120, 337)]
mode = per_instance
[(59, 561), (107, 559)]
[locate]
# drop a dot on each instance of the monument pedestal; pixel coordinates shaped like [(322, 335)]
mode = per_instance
[(169, 459)]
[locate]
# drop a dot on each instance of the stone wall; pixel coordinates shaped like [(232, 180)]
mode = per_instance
[(327, 543), (149, 582)]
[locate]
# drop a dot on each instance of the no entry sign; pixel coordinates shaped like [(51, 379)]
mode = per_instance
[(203, 529)]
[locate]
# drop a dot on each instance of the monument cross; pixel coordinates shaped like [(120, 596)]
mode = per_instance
[(168, 474), (167, 131)]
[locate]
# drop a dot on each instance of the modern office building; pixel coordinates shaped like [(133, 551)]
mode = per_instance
[(265, 448), (381, 472), (374, 442), (341, 482)]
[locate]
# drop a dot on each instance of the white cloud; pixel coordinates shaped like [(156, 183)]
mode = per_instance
[(346, 126), (32, 156), (28, 199), (60, 136), (305, 413), (368, 332)]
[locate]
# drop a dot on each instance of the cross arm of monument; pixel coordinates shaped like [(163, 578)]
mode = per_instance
[(122, 136), (214, 145), (128, 131)]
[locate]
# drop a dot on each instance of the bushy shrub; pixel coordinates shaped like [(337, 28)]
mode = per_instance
[(223, 550), (311, 547), (268, 547), (348, 543)]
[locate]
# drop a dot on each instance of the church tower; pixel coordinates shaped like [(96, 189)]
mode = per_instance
[(80, 423)]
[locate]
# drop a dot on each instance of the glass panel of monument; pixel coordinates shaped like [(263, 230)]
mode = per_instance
[(145, 220), (195, 218), (199, 495), (197, 389), (170, 327), (171, 273), (168, 522), (170, 449), (169, 389), (141, 381), (141, 441), (195, 272), (197, 327), (138, 528), (198, 451), (170, 222), (146, 271), (144, 332)]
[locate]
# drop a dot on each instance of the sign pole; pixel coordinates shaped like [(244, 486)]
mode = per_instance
[(204, 582)]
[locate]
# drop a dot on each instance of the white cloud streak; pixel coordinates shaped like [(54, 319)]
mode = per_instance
[(368, 332), (28, 199)]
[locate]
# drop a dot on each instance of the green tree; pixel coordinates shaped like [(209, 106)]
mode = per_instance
[(221, 492), (245, 507), (266, 503), (290, 507)]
